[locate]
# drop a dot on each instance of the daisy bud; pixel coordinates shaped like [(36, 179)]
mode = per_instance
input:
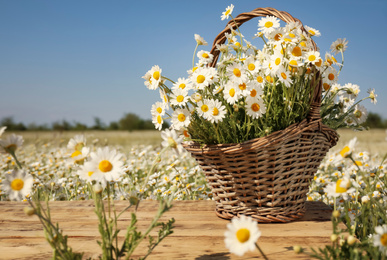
[(351, 240), (97, 188), (336, 214), (334, 238), (297, 249), (133, 200), (29, 211)]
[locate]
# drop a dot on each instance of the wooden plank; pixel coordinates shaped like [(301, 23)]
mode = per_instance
[(198, 232)]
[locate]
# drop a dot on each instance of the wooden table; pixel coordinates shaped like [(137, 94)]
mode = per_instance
[(198, 232)]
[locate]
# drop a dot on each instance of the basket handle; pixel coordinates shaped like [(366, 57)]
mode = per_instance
[(244, 17)]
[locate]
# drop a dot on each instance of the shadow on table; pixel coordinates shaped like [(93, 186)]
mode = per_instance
[(217, 256)]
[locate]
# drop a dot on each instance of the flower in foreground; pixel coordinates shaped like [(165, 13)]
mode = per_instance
[(241, 235), (172, 139), (105, 165), (199, 40), (11, 143), (340, 45), (18, 184), (380, 238)]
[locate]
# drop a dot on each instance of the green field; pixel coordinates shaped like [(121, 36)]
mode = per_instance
[(373, 141)]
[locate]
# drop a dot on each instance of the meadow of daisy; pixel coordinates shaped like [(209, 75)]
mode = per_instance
[(350, 179)]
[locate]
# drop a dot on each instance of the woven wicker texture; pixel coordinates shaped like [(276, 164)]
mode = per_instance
[(266, 178)]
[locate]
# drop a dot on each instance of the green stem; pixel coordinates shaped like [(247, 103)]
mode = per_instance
[(193, 58)]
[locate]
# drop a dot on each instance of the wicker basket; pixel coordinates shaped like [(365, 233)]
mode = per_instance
[(266, 178)]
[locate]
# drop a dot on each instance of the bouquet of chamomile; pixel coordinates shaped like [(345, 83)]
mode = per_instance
[(253, 92)]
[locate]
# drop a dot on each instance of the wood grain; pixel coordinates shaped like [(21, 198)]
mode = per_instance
[(198, 232)]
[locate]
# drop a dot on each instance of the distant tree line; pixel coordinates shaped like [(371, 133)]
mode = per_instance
[(129, 122)]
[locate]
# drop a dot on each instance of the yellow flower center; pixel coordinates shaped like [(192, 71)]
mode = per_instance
[(319, 63), (237, 44), (283, 75), (345, 151), (242, 86), (194, 68), (268, 24), (105, 166), (383, 239), (260, 79), (200, 79), (186, 134), (255, 107), (251, 66), (243, 235), (334, 59), (75, 154), (156, 75), (358, 163), (312, 32), (253, 93), (340, 189), (181, 117), (180, 98), (237, 72), (90, 173), (205, 55), (204, 108), (326, 86), (277, 37), (270, 79), (215, 112), (277, 61), (331, 76), (292, 35), (231, 92), (182, 86), (159, 110), (303, 44), (17, 184), (227, 12), (312, 57), (11, 147), (293, 63), (297, 51), (159, 119)]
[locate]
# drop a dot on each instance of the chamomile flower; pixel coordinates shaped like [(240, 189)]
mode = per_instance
[(205, 57), (255, 107), (181, 118), (312, 57), (236, 73), (340, 188), (372, 95), (231, 93), (360, 113), (276, 62), (87, 173), (268, 24), (380, 238), (284, 76), (182, 83), (218, 111), (165, 99), (330, 76), (18, 184), (241, 235), (11, 143), (173, 140), (179, 97), (106, 164), (199, 40), (156, 78), (226, 14), (157, 120), (256, 90), (222, 48), (251, 65), (158, 109), (201, 78), (340, 45), (348, 149), (203, 108), (79, 156), (312, 31), (244, 88)]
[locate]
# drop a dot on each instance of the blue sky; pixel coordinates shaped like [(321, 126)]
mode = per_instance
[(77, 60)]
